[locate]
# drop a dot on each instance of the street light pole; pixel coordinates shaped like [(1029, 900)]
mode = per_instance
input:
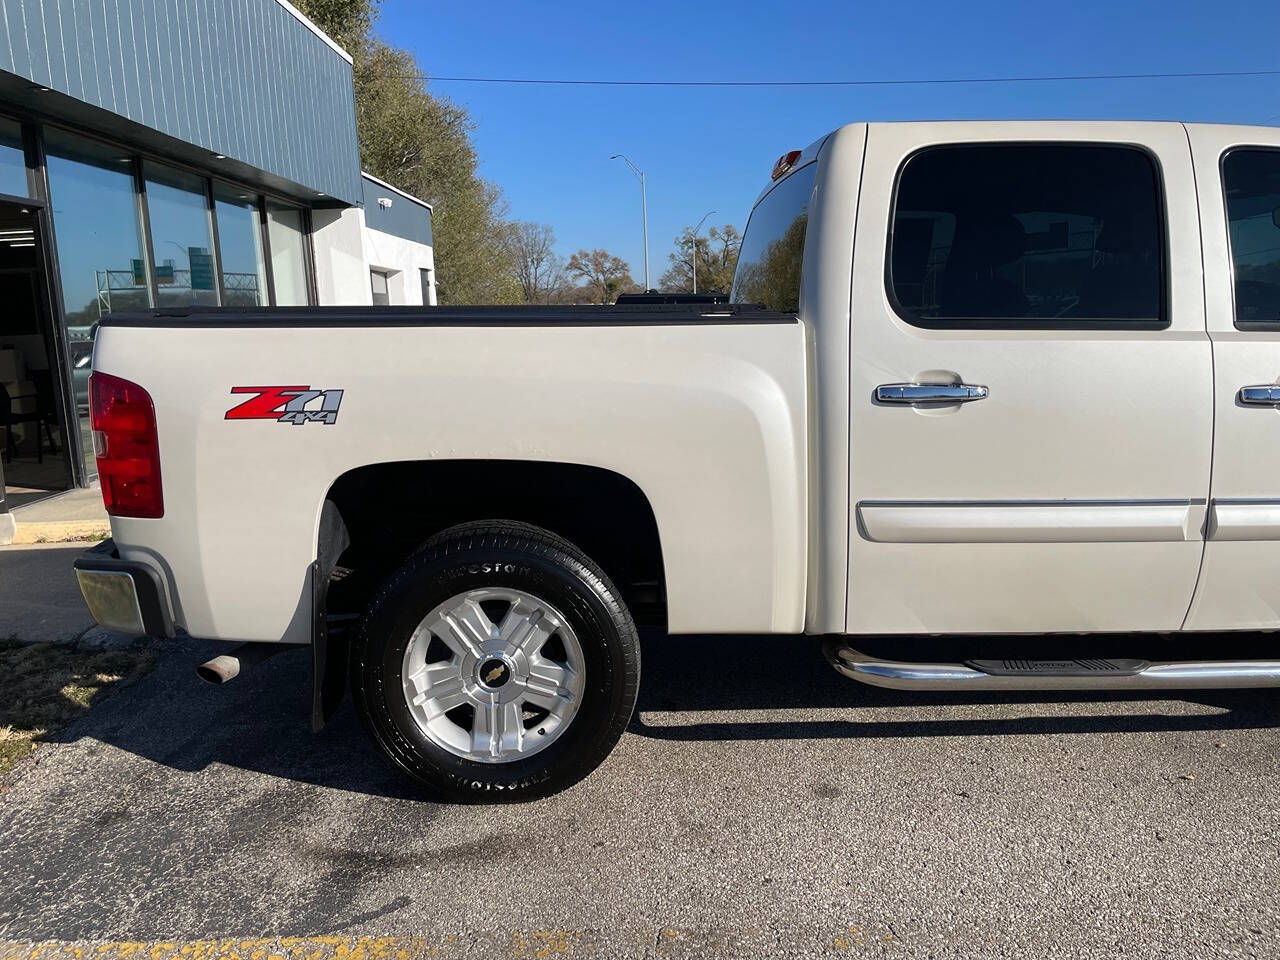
[(644, 212), (695, 248)]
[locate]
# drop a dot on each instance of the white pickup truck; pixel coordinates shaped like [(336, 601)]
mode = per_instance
[(993, 406)]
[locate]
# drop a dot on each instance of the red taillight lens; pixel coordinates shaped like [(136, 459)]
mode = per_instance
[(785, 163), (128, 450)]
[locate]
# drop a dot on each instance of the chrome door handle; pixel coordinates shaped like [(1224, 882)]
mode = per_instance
[(929, 393), (1263, 395)]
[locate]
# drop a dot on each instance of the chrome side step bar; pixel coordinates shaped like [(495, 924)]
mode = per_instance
[(1055, 675)]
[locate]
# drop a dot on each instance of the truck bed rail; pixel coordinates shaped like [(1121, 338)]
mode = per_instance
[(469, 316)]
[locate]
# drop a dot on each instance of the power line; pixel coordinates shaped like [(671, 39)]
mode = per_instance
[(1057, 78)]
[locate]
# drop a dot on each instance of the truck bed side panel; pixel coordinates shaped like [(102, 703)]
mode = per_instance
[(707, 419)]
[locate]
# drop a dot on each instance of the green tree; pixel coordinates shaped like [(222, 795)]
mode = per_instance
[(422, 144), (717, 257), (348, 22), (601, 273)]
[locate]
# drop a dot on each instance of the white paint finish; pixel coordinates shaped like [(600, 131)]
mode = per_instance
[(342, 272), (1245, 520), (401, 259), (1125, 522), (1026, 587), (824, 307), (708, 420), (346, 249), (1240, 583), (1071, 415)]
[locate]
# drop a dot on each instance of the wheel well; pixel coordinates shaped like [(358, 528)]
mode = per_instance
[(390, 509)]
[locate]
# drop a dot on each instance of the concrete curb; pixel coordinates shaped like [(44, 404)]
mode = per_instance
[(8, 526), (56, 531)]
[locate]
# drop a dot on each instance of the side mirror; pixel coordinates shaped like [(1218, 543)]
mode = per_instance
[(1275, 217)]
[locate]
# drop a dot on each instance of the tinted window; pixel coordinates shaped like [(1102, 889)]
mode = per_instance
[(1034, 234), (1252, 182), (772, 251)]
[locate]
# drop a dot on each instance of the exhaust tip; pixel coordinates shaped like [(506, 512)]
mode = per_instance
[(219, 670)]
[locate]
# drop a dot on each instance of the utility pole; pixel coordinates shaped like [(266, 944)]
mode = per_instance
[(695, 248), (644, 213)]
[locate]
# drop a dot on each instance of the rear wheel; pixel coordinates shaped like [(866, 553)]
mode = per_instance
[(498, 662)]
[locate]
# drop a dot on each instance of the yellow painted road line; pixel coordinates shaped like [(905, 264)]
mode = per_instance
[(535, 945)]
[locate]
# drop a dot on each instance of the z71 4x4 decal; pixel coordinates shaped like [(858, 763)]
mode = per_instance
[(296, 405)]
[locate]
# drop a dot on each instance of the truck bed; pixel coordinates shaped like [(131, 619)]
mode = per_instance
[(701, 407)]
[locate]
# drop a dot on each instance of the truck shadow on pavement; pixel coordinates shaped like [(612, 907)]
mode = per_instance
[(694, 689), (749, 674)]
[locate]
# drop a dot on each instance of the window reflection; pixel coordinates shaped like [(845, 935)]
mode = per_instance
[(244, 273), (772, 253), (288, 263), (98, 232), (181, 240)]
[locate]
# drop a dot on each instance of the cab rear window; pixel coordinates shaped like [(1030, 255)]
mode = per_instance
[(772, 251)]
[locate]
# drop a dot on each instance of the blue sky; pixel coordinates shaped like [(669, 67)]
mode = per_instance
[(711, 149)]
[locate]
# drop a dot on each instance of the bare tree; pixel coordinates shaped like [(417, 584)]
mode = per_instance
[(537, 269), (602, 273)]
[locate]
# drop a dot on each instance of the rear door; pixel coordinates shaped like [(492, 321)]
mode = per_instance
[(1031, 382), (1238, 173)]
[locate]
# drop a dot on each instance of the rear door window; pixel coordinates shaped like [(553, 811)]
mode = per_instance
[(772, 253), (1028, 235), (1251, 179)]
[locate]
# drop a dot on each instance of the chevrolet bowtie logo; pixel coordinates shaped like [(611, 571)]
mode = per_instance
[(494, 675)]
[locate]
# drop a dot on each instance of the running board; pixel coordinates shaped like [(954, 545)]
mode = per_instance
[(1117, 674)]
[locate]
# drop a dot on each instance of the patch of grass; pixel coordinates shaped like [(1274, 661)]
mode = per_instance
[(44, 686)]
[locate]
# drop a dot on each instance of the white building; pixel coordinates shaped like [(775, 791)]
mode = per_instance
[(378, 253)]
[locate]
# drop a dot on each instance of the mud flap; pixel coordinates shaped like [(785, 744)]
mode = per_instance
[(328, 653)]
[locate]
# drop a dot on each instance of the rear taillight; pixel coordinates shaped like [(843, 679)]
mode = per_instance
[(128, 450), (784, 164)]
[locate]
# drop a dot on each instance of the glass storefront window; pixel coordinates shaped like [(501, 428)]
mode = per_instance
[(181, 238), (244, 272), (13, 160), (288, 262), (98, 229)]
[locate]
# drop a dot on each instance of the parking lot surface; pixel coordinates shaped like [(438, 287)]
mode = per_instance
[(759, 805)]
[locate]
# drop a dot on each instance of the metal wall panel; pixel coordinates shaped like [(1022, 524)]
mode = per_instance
[(244, 78), (404, 218)]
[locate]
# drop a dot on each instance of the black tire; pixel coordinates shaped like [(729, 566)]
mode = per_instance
[(498, 553)]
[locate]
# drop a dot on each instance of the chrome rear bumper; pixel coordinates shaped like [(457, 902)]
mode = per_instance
[(122, 594)]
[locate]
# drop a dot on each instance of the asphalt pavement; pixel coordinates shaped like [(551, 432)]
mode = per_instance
[(759, 806)]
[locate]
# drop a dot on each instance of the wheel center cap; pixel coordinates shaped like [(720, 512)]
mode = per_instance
[(494, 673)]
